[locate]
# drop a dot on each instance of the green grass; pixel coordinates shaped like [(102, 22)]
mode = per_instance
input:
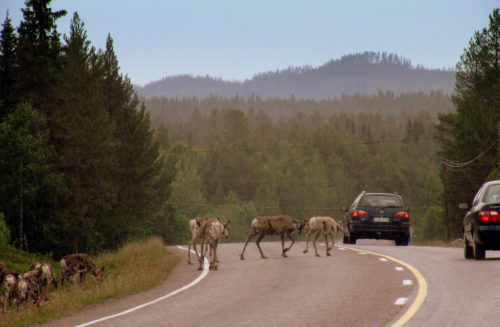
[(19, 261), (136, 267)]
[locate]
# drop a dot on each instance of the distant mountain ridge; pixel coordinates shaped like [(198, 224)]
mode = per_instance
[(361, 73)]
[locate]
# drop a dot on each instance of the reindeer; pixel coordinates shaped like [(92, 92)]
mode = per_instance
[(322, 225), (79, 263), (194, 226), (209, 232), (8, 281), (21, 292), (41, 277), (273, 225)]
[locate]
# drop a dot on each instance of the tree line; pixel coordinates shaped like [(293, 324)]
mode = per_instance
[(80, 169), (360, 73)]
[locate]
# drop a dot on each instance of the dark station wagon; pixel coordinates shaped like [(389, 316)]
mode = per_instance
[(481, 224), (377, 216)]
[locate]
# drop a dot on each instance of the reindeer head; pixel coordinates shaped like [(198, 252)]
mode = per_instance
[(340, 227), (98, 274), (299, 225), (226, 230)]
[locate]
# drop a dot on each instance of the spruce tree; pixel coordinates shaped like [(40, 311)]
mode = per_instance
[(39, 55), (8, 69), (468, 136), (83, 136)]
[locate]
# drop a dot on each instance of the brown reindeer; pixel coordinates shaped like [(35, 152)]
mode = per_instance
[(81, 264), (273, 225), (322, 225)]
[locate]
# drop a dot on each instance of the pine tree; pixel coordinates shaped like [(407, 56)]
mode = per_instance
[(467, 137), (8, 67), (83, 135), (39, 55), (142, 183)]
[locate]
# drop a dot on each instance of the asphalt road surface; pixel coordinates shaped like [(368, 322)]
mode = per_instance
[(356, 286)]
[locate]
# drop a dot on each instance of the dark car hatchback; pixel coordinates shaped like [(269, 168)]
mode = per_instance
[(377, 216), (481, 224)]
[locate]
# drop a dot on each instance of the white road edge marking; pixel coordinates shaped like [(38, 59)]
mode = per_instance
[(401, 301), (407, 282), (383, 259), (399, 268), (421, 293), (166, 296)]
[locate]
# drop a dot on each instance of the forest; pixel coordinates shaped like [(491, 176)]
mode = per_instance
[(86, 164), (239, 158)]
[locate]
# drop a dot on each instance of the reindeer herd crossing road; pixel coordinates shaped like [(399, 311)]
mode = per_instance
[(207, 230)]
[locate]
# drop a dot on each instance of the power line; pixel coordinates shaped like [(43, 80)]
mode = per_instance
[(457, 164)]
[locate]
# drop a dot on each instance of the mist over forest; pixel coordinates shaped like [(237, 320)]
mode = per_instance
[(361, 73)]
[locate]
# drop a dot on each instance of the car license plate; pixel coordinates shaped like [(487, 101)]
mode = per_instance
[(380, 219)]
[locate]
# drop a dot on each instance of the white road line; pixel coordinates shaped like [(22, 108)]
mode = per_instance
[(383, 259), (401, 301), (166, 296), (362, 253), (421, 292), (407, 282), (398, 268)]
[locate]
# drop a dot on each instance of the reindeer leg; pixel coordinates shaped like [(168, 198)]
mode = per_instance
[(283, 251), (289, 234), (261, 236), (244, 247), (328, 248), (189, 251), (216, 244), (307, 240), (314, 243)]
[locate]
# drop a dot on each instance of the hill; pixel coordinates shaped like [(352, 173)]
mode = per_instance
[(362, 73)]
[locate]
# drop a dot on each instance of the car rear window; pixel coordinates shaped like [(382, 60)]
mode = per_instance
[(381, 200), (492, 194)]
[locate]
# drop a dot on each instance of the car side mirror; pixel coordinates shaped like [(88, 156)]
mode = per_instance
[(463, 206)]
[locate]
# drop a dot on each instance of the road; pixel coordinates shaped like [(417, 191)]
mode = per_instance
[(353, 287)]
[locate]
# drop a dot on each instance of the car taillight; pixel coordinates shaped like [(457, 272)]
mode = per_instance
[(402, 214), (488, 216), (360, 213)]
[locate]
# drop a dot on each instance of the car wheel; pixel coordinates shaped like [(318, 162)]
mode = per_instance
[(478, 250), (403, 240), (468, 250), (346, 239), (352, 239)]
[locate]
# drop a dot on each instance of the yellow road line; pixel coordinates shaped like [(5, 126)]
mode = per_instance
[(422, 287)]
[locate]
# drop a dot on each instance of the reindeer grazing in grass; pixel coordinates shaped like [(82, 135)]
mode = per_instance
[(273, 225), (81, 264), (41, 277), (7, 284), (21, 292), (322, 225)]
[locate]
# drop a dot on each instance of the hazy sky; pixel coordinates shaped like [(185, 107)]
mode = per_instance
[(235, 39)]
